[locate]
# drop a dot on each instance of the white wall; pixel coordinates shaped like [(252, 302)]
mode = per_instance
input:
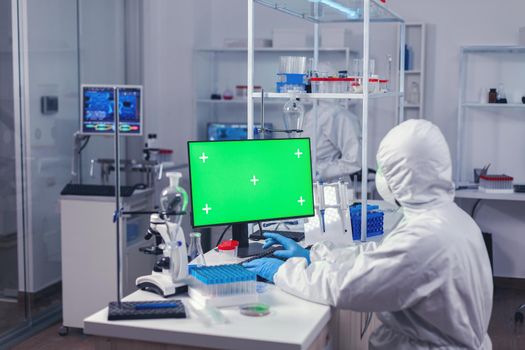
[(102, 61), (169, 35)]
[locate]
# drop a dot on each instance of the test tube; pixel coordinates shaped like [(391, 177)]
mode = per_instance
[(320, 196), (342, 203)]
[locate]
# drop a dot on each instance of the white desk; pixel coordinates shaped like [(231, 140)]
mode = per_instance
[(293, 324), (477, 194)]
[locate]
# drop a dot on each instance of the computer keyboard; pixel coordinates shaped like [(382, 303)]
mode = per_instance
[(268, 253), (96, 190), (296, 236)]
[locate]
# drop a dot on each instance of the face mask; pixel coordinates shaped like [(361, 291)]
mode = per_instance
[(383, 189)]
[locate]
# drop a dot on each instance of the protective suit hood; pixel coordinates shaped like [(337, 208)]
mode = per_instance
[(415, 160)]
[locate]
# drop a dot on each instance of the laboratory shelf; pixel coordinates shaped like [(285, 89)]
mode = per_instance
[(495, 105), (413, 72), (493, 49), (476, 194), (324, 96), (332, 11), (238, 102), (466, 108), (276, 49), (412, 106)]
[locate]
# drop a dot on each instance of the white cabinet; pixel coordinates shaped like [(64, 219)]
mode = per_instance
[(89, 261)]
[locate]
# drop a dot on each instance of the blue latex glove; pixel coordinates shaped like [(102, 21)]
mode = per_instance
[(264, 267), (291, 247)]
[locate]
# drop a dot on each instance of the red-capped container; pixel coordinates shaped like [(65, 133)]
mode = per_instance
[(499, 183), (229, 247)]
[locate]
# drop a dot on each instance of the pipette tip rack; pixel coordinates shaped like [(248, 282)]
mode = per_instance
[(375, 221), (222, 285)]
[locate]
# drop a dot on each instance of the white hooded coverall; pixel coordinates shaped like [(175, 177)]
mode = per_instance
[(338, 140), (429, 281)]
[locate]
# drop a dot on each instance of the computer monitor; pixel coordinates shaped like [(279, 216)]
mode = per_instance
[(97, 112), (245, 181), (231, 131)]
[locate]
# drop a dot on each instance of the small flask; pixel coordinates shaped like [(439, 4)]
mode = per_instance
[(173, 198), (195, 253), (501, 96), (293, 113)]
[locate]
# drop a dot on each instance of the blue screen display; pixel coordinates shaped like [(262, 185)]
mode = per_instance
[(98, 110), (129, 100), (229, 131)]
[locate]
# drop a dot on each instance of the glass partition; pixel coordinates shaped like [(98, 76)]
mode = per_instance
[(13, 310)]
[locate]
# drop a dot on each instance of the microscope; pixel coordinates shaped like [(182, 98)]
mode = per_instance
[(170, 272)]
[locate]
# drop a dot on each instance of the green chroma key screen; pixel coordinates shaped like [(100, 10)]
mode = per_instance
[(250, 180)]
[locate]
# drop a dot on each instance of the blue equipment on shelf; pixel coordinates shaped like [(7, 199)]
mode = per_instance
[(375, 219), (289, 82)]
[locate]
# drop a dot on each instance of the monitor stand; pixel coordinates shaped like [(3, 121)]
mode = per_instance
[(246, 249)]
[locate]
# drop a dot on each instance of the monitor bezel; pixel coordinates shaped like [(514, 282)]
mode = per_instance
[(192, 219), (116, 89)]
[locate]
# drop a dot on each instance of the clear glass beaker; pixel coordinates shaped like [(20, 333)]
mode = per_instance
[(195, 253)]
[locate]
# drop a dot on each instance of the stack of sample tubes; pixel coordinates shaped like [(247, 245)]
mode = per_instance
[(223, 280)]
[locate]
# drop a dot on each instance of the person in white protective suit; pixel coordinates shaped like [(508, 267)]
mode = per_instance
[(429, 281), (338, 140), (338, 137)]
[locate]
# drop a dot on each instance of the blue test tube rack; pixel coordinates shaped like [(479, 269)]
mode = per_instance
[(375, 221), (223, 280)]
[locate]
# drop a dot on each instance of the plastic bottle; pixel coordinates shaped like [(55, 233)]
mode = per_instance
[(493, 96), (173, 198), (414, 93), (293, 113), (408, 58), (195, 253)]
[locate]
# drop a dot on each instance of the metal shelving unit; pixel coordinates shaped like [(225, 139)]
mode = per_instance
[(333, 11), (277, 49), (415, 36), (208, 110), (465, 105)]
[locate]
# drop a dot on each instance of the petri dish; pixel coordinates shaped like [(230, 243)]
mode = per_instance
[(255, 310)]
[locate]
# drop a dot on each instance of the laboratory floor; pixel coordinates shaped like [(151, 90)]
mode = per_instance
[(502, 331), (13, 311)]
